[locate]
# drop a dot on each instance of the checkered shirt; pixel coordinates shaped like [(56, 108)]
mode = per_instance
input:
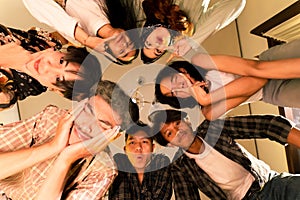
[(92, 181)]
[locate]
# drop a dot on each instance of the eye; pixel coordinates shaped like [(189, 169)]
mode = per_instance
[(61, 61)]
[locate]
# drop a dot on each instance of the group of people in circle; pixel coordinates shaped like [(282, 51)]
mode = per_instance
[(63, 154)]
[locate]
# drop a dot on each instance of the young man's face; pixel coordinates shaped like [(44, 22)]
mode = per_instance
[(95, 117), (178, 133), (122, 47), (139, 149), (50, 67)]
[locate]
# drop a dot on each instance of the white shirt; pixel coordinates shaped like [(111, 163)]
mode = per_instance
[(219, 79), (227, 174), (88, 14)]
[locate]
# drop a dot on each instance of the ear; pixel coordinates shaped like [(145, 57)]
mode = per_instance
[(153, 146)]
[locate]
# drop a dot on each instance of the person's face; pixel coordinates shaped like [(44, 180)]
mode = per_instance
[(178, 133), (170, 84), (157, 42), (122, 47), (139, 149), (95, 117), (51, 67)]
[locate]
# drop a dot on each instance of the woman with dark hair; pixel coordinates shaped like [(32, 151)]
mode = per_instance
[(187, 18), (181, 84), (97, 24), (24, 73)]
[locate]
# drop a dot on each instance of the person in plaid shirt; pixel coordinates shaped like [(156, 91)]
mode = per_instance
[(142, 174), (45, 157), (210, 160)]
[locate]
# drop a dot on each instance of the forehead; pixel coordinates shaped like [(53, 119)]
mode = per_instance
[(103, 111), (138, 135), (165, 85)]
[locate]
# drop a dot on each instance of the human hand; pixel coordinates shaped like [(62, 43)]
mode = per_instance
[(181, 47), (91, 146), (61, 139)]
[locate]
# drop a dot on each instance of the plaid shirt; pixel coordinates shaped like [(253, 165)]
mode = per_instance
[(188, 177), (92, 181), (156, 185)]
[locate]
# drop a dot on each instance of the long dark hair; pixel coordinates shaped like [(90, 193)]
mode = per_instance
[(194, 71), (164, 12)]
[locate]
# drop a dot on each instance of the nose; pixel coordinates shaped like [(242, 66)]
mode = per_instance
[(138, 148)]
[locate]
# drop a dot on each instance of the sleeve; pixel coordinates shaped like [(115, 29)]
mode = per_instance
[(217, 17), (273, 127), (50, 13), (181, 178), (91, 14), (96, 182), (17, 135), (22, 134), (283, 51)]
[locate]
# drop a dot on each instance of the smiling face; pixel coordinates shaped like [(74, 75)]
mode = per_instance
[(139, 149), (95, 117), (50, 68), (157, 42), (121, 47), (178, 133)]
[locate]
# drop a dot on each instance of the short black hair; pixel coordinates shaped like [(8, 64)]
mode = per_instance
[(133, 35), (174, 67), (139, 126), (164, 116)]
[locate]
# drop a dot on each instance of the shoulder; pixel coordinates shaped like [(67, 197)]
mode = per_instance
[(162, 158)]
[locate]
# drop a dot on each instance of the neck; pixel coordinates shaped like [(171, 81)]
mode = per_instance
[(140, 174), (195, 147)]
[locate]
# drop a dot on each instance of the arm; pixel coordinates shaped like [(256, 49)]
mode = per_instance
[(50, 13), (234, 89), (92, 17), (18, 160), (216, 110), (274, 127), (54, 183), (277, 69)]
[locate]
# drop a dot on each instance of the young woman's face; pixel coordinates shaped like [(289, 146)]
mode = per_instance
[(170, 84), (157, 42), (51, 67)]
